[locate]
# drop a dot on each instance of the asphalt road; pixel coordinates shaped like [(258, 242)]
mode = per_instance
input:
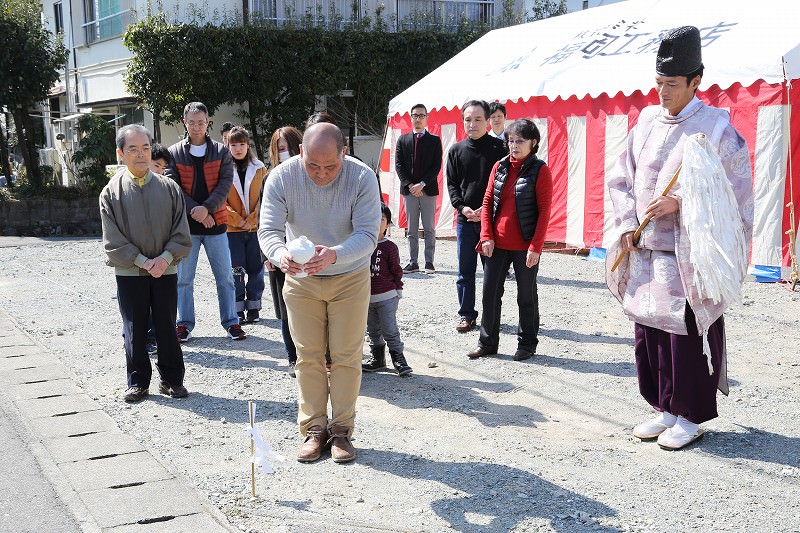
[(28, 503)]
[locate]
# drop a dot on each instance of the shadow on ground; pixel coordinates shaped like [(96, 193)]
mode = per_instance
[(755, 445), (486, 492), (233, 410), (622, 369), (457, 395), (212, 353), (581, 284), (569, 335)]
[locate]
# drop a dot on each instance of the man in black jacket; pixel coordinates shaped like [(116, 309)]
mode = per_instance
[(418, 160), (469, 163)]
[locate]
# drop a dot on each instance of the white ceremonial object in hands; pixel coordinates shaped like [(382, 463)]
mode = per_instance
[(302, 250), (719, 250)]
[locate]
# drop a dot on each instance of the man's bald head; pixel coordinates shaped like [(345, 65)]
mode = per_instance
[(323, 134), (322, 152)]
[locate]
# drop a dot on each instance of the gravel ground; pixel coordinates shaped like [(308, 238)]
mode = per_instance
[(479, 446)]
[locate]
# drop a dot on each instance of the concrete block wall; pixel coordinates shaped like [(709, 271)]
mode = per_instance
[(40, 217)]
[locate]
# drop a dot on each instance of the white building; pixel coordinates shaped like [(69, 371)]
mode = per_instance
[(93, 77), (92, 31), (577, 5)]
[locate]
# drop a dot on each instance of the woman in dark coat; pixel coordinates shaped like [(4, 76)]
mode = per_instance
[(285, 143)]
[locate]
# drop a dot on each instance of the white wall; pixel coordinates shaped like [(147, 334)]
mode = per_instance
[(172, 134), (577, 5)]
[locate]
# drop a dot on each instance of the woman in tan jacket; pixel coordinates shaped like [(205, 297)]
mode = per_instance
[(243, 206)]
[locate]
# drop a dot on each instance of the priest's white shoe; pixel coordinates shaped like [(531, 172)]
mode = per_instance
[(655, 427), (680, 435)]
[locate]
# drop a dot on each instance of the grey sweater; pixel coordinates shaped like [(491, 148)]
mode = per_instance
[(343, 215), (141, 223)]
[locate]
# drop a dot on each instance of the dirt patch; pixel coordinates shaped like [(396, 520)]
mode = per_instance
[(486, 445)]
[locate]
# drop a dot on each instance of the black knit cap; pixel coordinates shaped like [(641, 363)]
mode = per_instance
[(679, 53)]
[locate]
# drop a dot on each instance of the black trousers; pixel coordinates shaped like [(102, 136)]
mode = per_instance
[(494, 277), (138, 297)]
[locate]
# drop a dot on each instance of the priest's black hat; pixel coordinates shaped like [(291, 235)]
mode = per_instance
[(679, 53)]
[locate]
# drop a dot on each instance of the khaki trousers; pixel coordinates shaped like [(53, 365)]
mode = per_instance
[(328, 312)]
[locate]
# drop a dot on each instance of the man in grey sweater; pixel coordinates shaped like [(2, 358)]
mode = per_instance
[(334, 201), (145, 234)]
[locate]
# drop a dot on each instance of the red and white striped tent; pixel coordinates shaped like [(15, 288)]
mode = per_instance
[(584, 77)]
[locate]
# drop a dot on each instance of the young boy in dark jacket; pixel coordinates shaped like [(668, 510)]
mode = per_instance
[(387, 289)]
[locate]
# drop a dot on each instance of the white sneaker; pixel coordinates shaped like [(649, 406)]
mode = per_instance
[(655, 427), (680, 435)]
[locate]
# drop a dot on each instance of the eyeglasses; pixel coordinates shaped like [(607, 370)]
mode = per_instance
[(199, 124), (518, 142), (418, 115), (138, 151)]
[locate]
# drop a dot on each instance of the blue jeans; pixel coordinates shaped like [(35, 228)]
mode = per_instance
[(219, 257), (246, 260), (467, 236)]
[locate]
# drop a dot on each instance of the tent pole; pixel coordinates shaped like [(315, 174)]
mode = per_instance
[(794, 276)]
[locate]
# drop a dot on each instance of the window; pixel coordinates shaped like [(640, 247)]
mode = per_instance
[(319, 12), (105, 18), (58, 17), (443, 13)]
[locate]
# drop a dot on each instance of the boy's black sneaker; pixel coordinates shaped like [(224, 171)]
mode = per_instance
[(241, 316), (252, 315), (429, 268), (400, 364), (376, 359), (411, 268)]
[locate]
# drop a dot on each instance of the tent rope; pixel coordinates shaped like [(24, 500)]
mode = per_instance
[(794, 276)]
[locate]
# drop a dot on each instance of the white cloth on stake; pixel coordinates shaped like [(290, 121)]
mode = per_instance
[(263, 454)]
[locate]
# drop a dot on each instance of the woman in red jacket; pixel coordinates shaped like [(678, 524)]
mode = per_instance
[(516, 210)]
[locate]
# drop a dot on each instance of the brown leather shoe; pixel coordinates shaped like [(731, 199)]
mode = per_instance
[(311, 449), (342, 450), (521, 354), (465, 324), (481, 351)]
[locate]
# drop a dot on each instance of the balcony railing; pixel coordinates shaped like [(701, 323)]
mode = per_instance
[(318, 13), (417, 14), (109, 26)]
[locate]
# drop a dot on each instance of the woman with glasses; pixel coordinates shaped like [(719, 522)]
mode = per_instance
[(516, 210)]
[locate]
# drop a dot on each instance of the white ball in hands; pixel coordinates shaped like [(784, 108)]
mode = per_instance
[(302, 250)]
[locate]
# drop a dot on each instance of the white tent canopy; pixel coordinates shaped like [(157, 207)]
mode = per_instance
[(611, 49)]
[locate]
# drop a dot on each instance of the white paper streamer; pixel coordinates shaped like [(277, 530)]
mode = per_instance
[(707, 353), (263, 453), (710, 213)]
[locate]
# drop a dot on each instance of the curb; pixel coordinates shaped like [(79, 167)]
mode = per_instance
[(108, 480)]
